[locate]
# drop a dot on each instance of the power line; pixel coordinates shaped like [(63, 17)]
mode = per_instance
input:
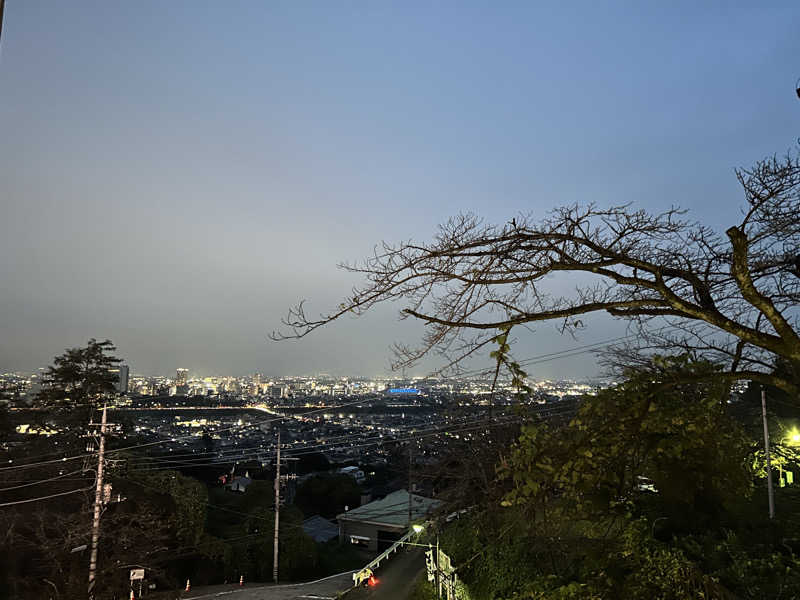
[(538, 359), (180, 438), (258, 452), (243, 427), (16, 487), (419, 434), (567, 353), (310, 448), (45, 462), (254, 452), (87, 478), (214, 506), (374, 512), (251, 425), (45, 497)]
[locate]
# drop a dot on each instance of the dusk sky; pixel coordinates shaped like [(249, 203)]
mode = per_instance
[(175, 174)]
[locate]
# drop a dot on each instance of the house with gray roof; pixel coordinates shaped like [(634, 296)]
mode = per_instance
[(377, 525), (239, 484), (320, 529)]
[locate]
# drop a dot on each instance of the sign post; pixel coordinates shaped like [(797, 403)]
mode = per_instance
[(137, 575)]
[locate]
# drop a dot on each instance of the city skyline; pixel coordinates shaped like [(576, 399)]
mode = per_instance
[(201, 171), (196, 376), (399, 300)]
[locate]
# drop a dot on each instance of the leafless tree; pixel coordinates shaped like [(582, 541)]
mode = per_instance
[(732, 297)]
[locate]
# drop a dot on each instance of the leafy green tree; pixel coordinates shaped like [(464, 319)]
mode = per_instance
[(313, 461), (183, 498), (245, 524), (6, 426), (251, 546), (327, 495), (651, 433), (298, 559), (585, 499), (35, 558)]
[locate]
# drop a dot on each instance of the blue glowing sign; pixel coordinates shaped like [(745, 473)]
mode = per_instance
[(404, 391)]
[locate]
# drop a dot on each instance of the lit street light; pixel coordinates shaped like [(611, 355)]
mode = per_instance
[(793, 436)]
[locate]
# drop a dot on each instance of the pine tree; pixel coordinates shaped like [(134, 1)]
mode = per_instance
[(80, 376)]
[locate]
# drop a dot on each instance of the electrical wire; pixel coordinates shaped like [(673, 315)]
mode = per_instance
[(419, 435), (538, 359), (178, 438), (567, 353), (45, 497), (16, 487), (310, 448), (400, 508), (217, 507), (46, 462), (243, 427), (389, 441), (257, 452), (529, 361)]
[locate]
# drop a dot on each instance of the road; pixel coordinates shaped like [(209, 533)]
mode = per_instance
[(323, 589), (396, 577)]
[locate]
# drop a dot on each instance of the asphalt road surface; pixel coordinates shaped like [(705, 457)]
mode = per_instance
[(396, 577), (322, 589)]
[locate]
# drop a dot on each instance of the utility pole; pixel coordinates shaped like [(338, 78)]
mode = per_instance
[(98, 502), (438, 577), (409, 483), (277, 508), (766, 450)]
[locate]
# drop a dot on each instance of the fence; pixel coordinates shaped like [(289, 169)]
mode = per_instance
[(364, 573), (443, 574)]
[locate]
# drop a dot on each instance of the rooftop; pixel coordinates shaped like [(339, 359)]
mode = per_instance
[(392, 510), (320, 529)]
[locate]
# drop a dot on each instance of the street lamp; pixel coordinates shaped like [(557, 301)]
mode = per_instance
[(793, 437)]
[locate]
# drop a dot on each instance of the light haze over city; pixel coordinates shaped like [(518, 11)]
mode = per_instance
[(175, 175)]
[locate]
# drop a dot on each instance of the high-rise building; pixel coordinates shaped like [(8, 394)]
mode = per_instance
[(35, 385), (122, 373), (182, 381), (278, 391)]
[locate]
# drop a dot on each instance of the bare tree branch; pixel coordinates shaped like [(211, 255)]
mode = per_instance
[(734, 296)]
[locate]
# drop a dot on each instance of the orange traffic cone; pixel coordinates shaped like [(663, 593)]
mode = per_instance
[(188, 586), (241, 580)]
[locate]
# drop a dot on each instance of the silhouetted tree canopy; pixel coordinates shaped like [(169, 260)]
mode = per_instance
[(327, 495), (80, 376), (731, 297)]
